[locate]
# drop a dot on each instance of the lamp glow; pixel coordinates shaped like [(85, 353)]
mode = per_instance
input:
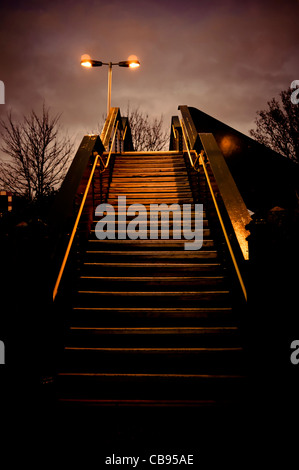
[(134, 64), (86, 63)]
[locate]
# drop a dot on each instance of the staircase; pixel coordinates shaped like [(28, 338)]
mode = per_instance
[(152, 324)]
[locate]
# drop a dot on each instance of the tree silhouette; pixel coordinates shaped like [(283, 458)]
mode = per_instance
[(278, 126), (37, 154), (147, 134)]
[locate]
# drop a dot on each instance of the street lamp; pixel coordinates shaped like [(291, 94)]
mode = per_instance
[(89, 63)]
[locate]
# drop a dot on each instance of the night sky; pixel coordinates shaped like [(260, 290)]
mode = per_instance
[(225, 57)]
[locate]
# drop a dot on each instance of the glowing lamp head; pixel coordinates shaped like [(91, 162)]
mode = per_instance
[(133, 64), (129, 63), (86, 63)]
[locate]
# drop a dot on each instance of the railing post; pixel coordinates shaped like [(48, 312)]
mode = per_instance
[(101, 185), (176, 139), (93, 195)]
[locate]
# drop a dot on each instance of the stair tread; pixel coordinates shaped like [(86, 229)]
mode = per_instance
[(176, 217), (146, 242), (153, 184), (157, 330), (161, 375), (150, 278), (154, 252), (153, 349), (149, 179), (158, 309), (119, 163), (150, 190), (152, 152), (155, 293), (148, 403), (156, 265)]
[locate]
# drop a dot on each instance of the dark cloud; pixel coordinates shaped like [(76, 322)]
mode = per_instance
[(227, 58)]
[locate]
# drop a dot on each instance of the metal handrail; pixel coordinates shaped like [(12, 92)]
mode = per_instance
[(69, 246), (105, 165), (124, 132), (197, 157), (175, 132), (200, 158)]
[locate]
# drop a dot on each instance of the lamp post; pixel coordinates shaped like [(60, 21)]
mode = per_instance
[(88, 63)]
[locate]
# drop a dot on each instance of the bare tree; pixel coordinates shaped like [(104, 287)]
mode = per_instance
[(278, 126), (38, 156), (147, 134)]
